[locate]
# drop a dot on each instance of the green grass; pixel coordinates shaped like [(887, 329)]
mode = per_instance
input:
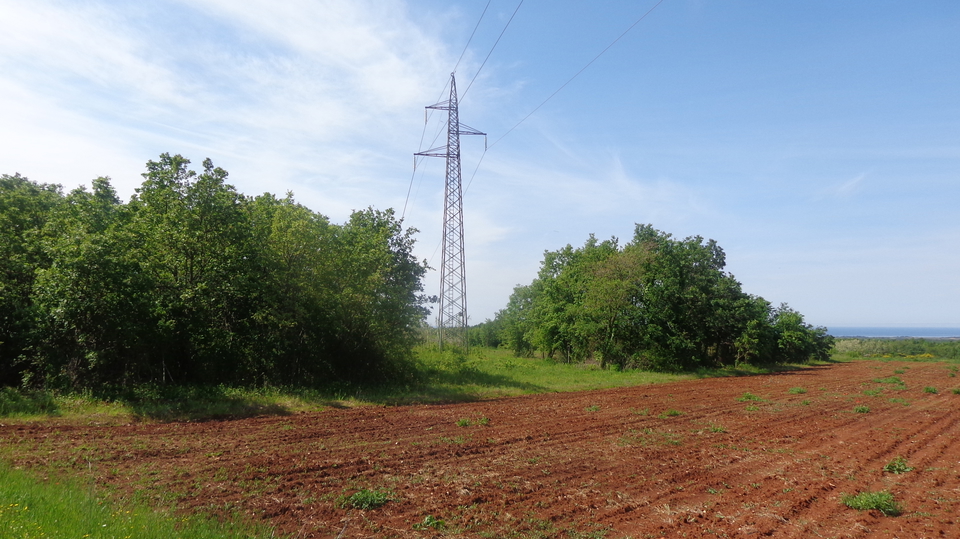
[(366, 499), (881, 501), (670, 413), (34, 508), (796, 391), (930, 389), (436, 377), (861, 409), (748, 397)]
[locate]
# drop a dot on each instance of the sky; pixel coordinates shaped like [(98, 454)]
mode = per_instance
[(818, 142)]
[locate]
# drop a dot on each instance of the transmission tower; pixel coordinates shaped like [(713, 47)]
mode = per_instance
[(452, 319)]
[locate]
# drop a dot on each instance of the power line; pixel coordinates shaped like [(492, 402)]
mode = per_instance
[(564, 85), (464, 94)]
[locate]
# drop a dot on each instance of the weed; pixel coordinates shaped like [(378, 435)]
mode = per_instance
[(805, 403), (904, 402), (861, 409), (645, 411), (464, 422), (593, 408), (455, 440), (897, 466), (873, 392), (747, 396), (752, 408), (483, 421), (717, 428), (649, 437), (899, 371), (796, 391), (882, 501), (930, 389), (366, 499), (895, 380), (430, 522), (670, 413), (955, 391)]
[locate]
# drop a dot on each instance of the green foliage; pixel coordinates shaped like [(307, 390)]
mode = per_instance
[(193, 283), (897, 466), (60, 508), (656, 303), (930, 389), (430, 522), (861, 409), (670, 413), (796, 391), (748, 397), (881, 501), (25, 207), (899, 349), (366, 499)]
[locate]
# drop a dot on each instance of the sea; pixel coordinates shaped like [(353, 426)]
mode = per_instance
[(894, 332)]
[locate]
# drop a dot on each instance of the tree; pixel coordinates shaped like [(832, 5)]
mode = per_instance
[(25, 207)]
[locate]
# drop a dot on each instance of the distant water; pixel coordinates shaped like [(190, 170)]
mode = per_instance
[(850, 331)]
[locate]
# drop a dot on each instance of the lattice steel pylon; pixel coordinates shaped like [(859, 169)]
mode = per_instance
[(452, 318)]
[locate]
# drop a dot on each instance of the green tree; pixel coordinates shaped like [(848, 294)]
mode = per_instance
[(25, 207)]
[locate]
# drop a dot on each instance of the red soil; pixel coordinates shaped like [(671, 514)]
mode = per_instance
[(607, 463)]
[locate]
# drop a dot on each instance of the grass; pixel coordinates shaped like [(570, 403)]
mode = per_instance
[(32, 507), (670, 413), (366, 499), (861, 409), (882, 501), (748, 397), (796, 391), (930, 389), (438, 377)]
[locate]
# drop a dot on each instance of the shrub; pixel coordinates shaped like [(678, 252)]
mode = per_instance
[(882, 501)]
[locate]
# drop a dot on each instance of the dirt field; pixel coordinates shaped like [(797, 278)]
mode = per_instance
[(688, 459)]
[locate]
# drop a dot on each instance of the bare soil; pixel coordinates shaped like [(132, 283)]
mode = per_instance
[(685, 459)]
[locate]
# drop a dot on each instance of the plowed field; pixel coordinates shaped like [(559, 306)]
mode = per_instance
[(687, 459)]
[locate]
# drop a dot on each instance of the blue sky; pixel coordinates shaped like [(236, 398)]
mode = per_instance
[(818, 142)]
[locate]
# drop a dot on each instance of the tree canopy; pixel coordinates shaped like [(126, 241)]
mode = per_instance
[(656, 302), (193, 282)]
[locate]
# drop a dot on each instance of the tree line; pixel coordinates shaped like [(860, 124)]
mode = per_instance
[(191, 282), (656, 302)]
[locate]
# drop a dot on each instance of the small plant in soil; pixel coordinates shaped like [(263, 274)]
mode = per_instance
[(464, 422), (882, 501), (897, 466), (796, 391), (956, 391), (748, 397), (670, 413), (899, 371), (593, 408), (861, 409), (930, 389), (366, 499), (430, 522), (717, 428), (752, 408)]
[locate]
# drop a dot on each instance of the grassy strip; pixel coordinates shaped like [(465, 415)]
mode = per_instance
[(439, 377), (31, 508)]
